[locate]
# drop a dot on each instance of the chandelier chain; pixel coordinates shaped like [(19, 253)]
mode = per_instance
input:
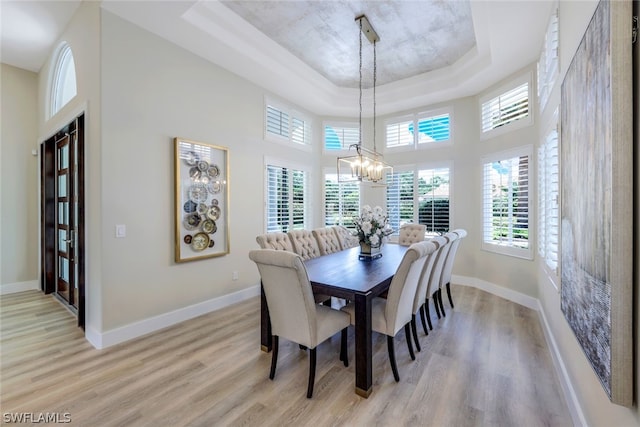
[(360, 99), (375, 72)]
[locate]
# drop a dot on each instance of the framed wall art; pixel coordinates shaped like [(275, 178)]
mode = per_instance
[(201, 200), (597, 198)]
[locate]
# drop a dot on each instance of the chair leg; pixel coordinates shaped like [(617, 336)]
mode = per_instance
[(407, 333), (428, 314), (344, 352), (274, 357), (414, 331), (449, 294), (312, 371), (434, 297), (440, 302), (424, 325), (392, 358)]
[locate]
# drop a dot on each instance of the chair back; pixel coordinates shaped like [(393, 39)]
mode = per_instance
[(448, 261), (403, 287), (327, 240), (433, 279), (448, 264), (304, 244), (277, 240), (345, 238), (411, 233), (432, 254), (287, 289)]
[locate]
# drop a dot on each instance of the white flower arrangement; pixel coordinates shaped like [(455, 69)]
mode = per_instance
[(372, 226)]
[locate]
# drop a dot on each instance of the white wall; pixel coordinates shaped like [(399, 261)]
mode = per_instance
[(584, 385), (19, 207)]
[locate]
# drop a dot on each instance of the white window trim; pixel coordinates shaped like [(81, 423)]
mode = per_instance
[(332, 171), (61, 51), (528, 253), (293, 112), (308, 203), (518, 124), (414, 117), (337, 124)]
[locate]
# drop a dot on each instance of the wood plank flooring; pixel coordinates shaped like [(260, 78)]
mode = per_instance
[(485, 364)]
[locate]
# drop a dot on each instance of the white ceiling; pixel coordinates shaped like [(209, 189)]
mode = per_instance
[(306, 51)]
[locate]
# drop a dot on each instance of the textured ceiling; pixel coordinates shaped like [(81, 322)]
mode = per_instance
[(415, 36)]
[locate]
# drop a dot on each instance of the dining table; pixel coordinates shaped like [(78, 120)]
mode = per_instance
[(346, 275)]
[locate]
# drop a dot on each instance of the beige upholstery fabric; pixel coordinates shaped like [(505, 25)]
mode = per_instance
[(453, 249), (304, 244), (327, 240), (432, 248), (433, 280), (451, 238), (276, 240), (411, 233), (391, 314), (346, 239), (293, 312)]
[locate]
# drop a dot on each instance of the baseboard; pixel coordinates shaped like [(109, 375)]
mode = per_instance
[(12, 288), (575, 409), (125, 333), (508, 294)]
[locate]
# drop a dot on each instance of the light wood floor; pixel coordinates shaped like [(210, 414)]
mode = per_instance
[(485, 364)]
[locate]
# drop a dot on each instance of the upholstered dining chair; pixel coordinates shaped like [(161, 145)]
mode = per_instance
[(346, 239), (436, 285), (411, 233), (430, 276), (304, 244), (389, 315), (294, 314), (431, 250), (445, 280), (275, 240), (328, 242)]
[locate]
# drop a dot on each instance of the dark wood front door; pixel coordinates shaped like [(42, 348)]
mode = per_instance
[(63, 216)]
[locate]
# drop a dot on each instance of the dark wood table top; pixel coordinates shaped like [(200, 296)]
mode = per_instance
[(342, 274)]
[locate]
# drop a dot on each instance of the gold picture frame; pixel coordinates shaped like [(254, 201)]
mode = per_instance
[(201, 200)]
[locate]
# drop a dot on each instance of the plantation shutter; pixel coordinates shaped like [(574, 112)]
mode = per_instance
[(548, 212), (548, 62), (400, 134), (400, 199), (506, 202), (340, 137), (434, 129), (506, 108), (277, 122), (433, 197), (286, 198), (342, 202)]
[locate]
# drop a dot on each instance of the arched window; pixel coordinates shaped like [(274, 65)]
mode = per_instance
[(63, 82)]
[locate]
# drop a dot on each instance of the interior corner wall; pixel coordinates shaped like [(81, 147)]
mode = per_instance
[(584, 387), (153, 91), (19, 177)]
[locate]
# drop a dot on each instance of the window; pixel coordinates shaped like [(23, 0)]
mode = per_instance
[(548, 62), (505, 185), (507, 108), (286, 198), (63, 81), (433, 127), (340, 136), (341, 201), (419, 196), (548, 193), (285, 124)]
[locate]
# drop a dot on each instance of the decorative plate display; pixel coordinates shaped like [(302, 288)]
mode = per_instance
[(204, 179), (211, 242), (192, 221), (192, 158), (188, 238), (203, 209), (213, 213), (190, 206), (209, 226), (214, 202), (200, 241), (194, 173), (203, 166), (198, 193), (215, 187), (213, 171)]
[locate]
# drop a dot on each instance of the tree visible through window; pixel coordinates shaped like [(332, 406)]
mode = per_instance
[(341, 201), (286, 198)]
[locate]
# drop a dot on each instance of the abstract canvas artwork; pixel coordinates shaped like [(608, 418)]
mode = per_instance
[(597, 199)]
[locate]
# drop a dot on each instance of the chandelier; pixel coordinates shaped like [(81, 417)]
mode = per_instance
[(366, 165)]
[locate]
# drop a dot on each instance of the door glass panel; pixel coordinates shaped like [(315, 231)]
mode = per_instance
[(62, 186), (64, 157), (63, 213), (63, 270), (62, 240)]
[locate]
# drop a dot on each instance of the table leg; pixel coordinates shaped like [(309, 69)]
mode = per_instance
[(265, 323), (364, 363)]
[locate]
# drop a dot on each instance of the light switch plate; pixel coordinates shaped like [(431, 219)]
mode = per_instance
[(121, 230)]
